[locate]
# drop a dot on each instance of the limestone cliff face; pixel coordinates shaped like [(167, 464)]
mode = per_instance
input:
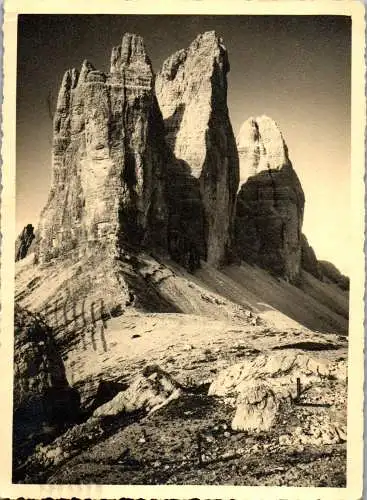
[(270, 203), (108, 175), (24, 244), (192, 93)]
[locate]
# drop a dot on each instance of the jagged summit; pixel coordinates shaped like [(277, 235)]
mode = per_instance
[(128, 175), (131, 52)]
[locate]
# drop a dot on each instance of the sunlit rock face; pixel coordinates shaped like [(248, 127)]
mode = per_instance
[(260, 146), (192, 94), (270, 202), (108, 157)]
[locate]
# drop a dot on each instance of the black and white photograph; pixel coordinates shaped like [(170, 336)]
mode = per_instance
[(184, 250)]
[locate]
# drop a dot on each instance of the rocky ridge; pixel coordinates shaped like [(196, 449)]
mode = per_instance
[(332, 275), (309, 260)]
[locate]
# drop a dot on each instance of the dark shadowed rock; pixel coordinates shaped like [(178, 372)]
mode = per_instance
[(309, 261), (24, 244), (270, 202), (42, 395), (192, 94)]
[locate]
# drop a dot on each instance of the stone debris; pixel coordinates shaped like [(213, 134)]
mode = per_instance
[(260, 386), (280, 370)]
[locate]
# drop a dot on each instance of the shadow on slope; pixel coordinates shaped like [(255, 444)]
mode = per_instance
[(315, 305)]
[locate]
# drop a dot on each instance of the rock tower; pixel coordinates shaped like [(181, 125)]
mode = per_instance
[(270, 202), (192, 93)]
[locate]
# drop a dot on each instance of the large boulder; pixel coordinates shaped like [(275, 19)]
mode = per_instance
[(256, 409), (149, 391), (262, 386), (192, 94), (270, 202), (43, 398)]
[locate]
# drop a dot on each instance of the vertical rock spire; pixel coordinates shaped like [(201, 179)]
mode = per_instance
[(192, 93), (270, 203)]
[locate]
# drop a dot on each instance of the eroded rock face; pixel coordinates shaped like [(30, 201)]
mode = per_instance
[(24, 244), (42, 395), (256, 409), (108, 175), (270, 203), (192, 93)]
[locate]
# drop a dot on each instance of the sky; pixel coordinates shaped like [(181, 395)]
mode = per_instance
[(295, 69)]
